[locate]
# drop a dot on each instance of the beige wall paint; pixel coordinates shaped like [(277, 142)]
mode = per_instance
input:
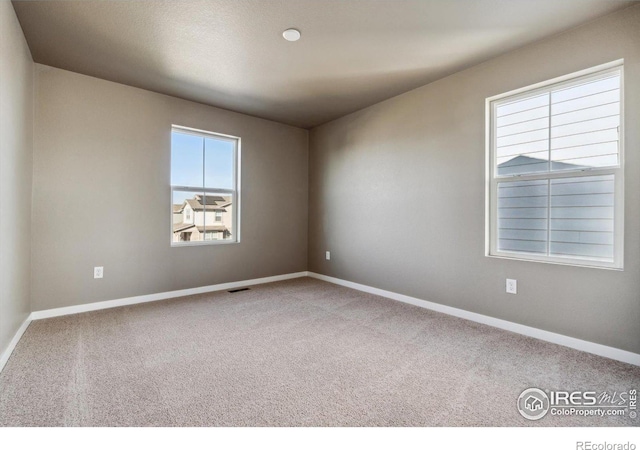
[(397, 194), (16, 149), (102, 197)]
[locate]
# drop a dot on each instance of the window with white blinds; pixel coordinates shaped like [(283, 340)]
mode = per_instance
[(555, 159)]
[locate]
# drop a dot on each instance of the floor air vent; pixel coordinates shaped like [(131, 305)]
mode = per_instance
[(233, 291)]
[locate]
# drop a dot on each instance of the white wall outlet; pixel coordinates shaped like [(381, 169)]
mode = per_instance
[(512, 286), (328, 256), (98, 272)]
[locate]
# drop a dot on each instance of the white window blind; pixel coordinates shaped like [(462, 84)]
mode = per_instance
[(555, 160)]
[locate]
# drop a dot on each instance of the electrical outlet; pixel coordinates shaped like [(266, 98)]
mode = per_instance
[(512, 286), (328, 256), (98, 272)]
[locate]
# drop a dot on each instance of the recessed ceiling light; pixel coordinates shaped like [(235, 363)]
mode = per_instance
[(291, 34)]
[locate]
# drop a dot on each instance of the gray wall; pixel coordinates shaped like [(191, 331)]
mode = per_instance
[(397, 194), (101, 194), (16, 143)]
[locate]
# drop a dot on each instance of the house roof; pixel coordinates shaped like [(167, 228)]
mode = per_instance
[(177, 227), (212, 228), (519, 165), (209, 199), (197, 206), (181, 226), (212, 203)]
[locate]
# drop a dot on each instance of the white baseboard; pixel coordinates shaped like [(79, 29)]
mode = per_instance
[(4, 357), (578, 344), (55, 312)]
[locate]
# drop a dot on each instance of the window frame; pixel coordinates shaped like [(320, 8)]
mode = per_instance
[(492, 179), (234, 192)]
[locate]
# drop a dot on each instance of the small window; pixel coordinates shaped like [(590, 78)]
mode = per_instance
[(204, 180), (555, 164)]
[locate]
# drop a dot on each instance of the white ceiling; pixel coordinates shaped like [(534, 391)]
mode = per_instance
[(231, 54)]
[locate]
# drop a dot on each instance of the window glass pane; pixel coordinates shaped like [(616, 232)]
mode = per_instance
[(582, 217), (188, 216), (585, 124), (586, 101), (186, 160), (523, 216), (579, 217), (610, 83), (206, 163), (218, 163), (582, 131), (522, 136), (525, 104), (218, 216)]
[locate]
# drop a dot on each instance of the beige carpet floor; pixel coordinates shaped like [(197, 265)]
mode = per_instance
[(294, 353)]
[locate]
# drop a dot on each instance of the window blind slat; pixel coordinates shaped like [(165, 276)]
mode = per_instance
[(581, 225), (592, 212), (588, 250), (582, 200), (588, 88), (588, 101), (582, 237), (528, 125), (522, 191), (528, 246), (519, 169), (522, 149), (522, 213), (524, 116), (594, 124), (608, 148), (594, 112), (524, 104), (523, 216), (588, 137), (596, 161), (521, 138), (530, 235), (523, 224), (578, 180), (584, 227), (522, 202)]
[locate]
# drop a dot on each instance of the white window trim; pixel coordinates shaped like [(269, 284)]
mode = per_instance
[(234, 192), (491, 180)]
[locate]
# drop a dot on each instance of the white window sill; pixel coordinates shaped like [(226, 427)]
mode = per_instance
[(198, 243), (561, 262)]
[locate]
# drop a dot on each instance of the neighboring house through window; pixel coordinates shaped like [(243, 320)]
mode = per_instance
[(555, 170), (204, 181)]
